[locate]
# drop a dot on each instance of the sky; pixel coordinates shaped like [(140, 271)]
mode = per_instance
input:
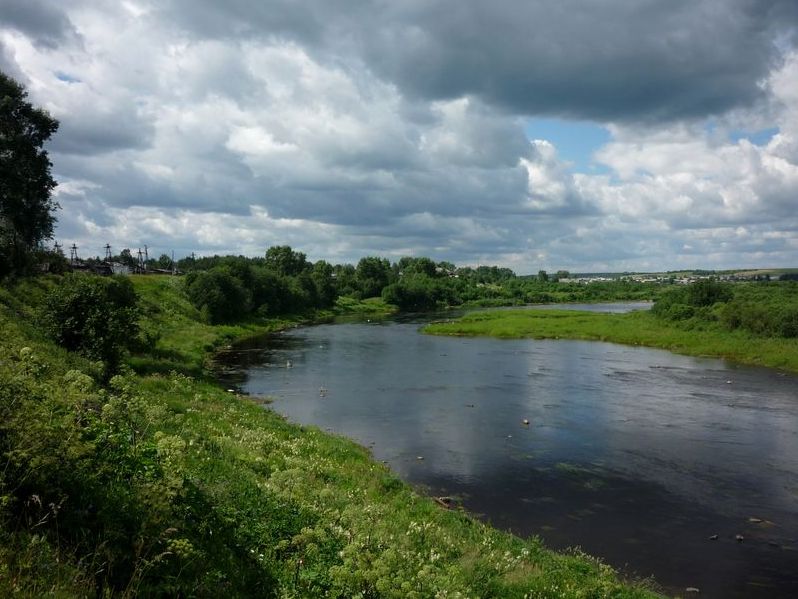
[(584, 135)]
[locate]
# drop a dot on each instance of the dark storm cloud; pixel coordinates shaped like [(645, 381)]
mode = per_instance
[(598, 60), (40, 20), (615, 60), (303, 21), (91, 134)]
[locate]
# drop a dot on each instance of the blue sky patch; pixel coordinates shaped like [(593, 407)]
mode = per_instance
[(758, 138), (576, 141), (61, 76)]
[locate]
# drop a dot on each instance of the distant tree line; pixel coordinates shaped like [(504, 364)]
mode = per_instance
[(227, 288)]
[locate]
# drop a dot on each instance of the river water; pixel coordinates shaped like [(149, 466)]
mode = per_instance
[(636, 455)]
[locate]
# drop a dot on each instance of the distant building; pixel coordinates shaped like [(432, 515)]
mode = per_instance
[(120, 269)]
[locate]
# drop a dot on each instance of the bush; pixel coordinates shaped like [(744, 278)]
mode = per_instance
[(418, 292), (788, 325), (95, 316), (760, 319), (707, 292), (218, 295), (695, 299)]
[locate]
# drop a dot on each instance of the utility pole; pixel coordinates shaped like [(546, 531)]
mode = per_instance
[(141, 262)]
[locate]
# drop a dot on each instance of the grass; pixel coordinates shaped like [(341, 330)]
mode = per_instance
[(162, 483), (634, 328), (372, 305), (185, 343)]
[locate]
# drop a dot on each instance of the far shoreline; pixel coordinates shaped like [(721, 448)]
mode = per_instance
[(632, 328)]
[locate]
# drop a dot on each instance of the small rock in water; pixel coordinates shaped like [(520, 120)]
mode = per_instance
[(713, 538), (739, 538), (692, 590)]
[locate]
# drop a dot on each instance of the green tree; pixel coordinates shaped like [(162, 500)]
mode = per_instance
[(126, 258), (285, 261), (372, 275), (164, 262), (26, 203), (96, 316), (270, 292), (543, 276), (706, 292), (446, 269), (218, 295), (345, 279), (415, 292), (422, 265), (324, 281)]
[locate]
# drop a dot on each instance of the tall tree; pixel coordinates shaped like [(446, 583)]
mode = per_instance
[(285, 261), (372, 274), (26, 203)]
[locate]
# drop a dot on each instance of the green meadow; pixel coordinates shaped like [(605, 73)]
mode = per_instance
[(693, 337)]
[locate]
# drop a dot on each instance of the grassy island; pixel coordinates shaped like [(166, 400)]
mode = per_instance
[(155, 481), (694, 336)]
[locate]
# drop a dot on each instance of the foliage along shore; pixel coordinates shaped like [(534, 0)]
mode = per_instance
[(159, 483), (749, 324)]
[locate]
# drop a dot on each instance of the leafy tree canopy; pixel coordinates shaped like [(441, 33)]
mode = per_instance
[(372, 275), (26, 203), (96, 316), (285, 261)]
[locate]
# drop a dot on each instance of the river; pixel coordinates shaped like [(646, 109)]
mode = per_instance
[(653, 461)]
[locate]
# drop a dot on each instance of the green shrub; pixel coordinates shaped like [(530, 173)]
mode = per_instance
[(701, 299), (788, 325), (95, 316), (707, 292), (761, 318), (415, 292), (218, 295)]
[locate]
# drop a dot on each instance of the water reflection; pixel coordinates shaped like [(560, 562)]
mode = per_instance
[(637, 455)]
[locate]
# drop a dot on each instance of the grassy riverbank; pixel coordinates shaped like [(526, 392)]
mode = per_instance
[(161, 483), (635, 328)]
